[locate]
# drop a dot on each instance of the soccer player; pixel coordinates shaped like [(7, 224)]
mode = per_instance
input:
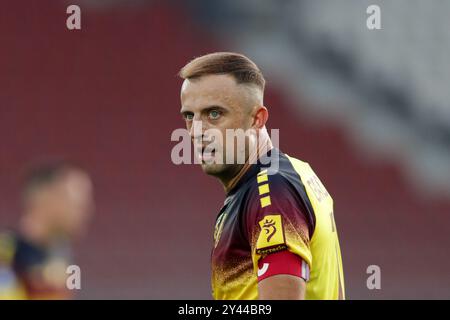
[(57, 203), (275, 236)]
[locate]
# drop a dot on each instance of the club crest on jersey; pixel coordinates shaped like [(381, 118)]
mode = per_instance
[(271, 237), (218, 228)]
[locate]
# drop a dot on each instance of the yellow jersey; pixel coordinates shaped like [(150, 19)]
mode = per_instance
[(278, 205)]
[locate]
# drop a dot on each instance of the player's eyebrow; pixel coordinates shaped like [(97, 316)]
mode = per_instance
[(182, 112), (206, 110), (214, 107)]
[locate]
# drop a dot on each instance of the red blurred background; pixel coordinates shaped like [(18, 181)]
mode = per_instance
[(107, 96)]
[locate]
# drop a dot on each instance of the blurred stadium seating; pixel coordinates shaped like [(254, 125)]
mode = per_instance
[(369, 111)]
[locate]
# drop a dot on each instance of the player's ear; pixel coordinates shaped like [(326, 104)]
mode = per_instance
[(261, 115)]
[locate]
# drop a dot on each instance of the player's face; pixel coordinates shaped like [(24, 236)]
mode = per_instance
[(71, 203), (220, 104)]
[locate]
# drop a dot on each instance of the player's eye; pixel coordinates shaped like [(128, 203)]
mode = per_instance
[(188, 116), (214, 114)]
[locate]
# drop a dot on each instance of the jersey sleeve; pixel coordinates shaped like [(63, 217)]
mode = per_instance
[(275, 220)]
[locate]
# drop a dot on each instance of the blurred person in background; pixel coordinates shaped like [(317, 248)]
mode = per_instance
[(57, 204)]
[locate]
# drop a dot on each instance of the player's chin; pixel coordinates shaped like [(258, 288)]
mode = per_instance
[(213, 169)]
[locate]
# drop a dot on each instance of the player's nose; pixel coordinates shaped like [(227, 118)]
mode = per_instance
[(197, 130)]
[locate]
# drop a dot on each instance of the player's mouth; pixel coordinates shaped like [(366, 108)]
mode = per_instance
[(207, 155)]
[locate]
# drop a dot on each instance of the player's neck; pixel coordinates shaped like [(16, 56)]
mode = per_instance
[(35, 230), (230, 182)]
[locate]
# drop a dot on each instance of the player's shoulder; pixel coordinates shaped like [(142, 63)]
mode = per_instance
[(28, 255), (294, 168), (270, 184), (281, 172), (278, 175)]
